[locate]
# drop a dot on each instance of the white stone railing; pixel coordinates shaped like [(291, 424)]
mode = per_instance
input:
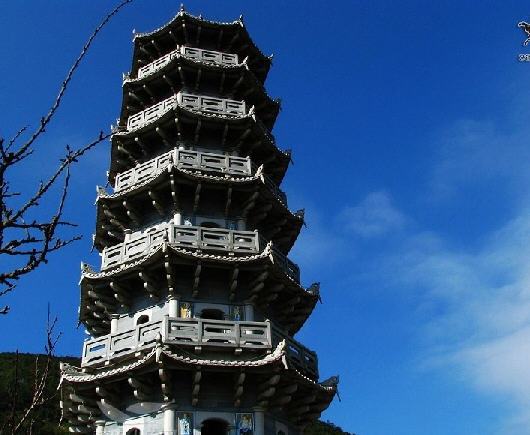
[(200, 103), (185, 159), (193, 160), (198, 54), (302, 358), (185, 236), (179, 331), (220, 240)]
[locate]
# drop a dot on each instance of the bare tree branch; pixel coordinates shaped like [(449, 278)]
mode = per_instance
[(41, 391), (26, 240)]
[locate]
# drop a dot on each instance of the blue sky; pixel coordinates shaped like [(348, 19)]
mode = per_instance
[(409, 129)]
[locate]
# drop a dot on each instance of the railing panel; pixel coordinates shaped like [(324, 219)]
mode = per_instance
[(112, 256), (148, 332), (197, 54), (218, 333), (287, 265), (96, 350), (191, 332), (185, 159), (301, 357), (183, 235), (208, 239), (189, 101), (122, 343), (182, 331), (239, 165), (254, 335)]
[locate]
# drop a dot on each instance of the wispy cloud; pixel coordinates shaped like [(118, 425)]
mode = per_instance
[(374, 216)]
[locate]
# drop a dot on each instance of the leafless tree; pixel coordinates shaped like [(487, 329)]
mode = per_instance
[(27, 239)]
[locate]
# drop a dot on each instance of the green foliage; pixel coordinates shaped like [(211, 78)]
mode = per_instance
[(324, 428), (17, 380)]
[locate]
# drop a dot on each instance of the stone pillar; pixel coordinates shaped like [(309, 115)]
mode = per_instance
[(177, 218), (170, 419), (259, 421), (173, 309), (114, 323), (100, 427)]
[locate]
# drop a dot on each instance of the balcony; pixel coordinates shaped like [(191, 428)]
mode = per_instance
[(217, 240), (197, 333), (199, 103), (197, 54), (185, 159)]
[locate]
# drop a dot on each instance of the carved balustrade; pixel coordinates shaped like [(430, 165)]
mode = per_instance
[(201, 103), (185, 236), (194, 160), (302, 358), (239, 335), (185, 159), (198, 54), (139, 244)]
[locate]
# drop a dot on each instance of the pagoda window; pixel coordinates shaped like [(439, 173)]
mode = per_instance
[(212, 314), (208, 224), (214, 426), (144, 318)]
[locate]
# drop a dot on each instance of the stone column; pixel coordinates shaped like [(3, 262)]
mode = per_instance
[(100, 427), (173, 309), (177, 218), (259, 421), (170, 419), (114, 323)]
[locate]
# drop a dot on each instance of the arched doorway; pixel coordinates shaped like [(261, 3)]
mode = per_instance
[(134, 431), (214, 426)]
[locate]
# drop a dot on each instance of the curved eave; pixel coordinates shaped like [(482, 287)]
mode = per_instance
[(282, 158), (294, 221), (235, 26), (160, 353), (267, 107), (90, 277)]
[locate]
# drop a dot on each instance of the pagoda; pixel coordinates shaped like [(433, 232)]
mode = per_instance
[(192, 315)]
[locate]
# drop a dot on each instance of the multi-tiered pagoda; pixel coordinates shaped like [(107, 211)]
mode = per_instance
[(192, 316)]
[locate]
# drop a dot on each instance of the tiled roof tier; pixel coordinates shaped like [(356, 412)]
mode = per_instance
[(277, 292), (243, 134), (254, 197), (181, 72), (186, 29)]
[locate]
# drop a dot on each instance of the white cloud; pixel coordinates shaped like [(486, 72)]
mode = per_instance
[(481, 323), (481, 153), (375, 216)]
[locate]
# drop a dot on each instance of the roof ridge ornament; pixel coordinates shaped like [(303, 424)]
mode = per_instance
[(182, 9)]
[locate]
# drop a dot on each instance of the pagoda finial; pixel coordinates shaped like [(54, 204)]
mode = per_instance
[(241, 18), (182, 8)]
